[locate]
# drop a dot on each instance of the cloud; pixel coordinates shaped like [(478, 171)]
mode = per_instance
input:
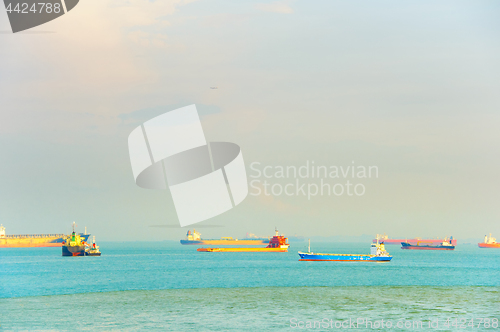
[(275, 7)]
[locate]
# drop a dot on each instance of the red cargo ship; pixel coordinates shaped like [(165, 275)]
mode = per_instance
[(432, 242)]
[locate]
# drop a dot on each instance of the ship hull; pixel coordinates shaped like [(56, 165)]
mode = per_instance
[(34, 241), (342, 258), (488, 245), (226, 242), (432, 242), (242, 249), (73, 250)]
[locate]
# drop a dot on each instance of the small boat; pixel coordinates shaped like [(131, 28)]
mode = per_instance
[(489, 242), (93, 250), (445, 245), (377, 254)]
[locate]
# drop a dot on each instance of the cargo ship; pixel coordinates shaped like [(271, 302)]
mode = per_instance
[(33, 240), (377, 254), (489, 242), (384, 238), (194, 238), (74, 244), (442, 246), (278, 243), (93, 249)]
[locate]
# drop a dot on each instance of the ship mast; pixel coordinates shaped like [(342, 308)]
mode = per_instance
[(309, 248)]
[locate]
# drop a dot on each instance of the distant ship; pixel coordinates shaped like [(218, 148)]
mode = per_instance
[(377, 254), (384, 238), (442, 246), (489, 242), (33, 240), (278, 243), (194, 238)]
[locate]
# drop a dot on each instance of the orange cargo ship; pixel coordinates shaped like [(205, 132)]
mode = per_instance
[(278, 243), (490, 242)]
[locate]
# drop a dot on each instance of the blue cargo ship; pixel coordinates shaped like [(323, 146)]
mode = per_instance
[(377, 254)]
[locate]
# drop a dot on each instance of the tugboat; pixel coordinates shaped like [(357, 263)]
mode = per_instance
[(73, 245), (278, 243), (377, 254), (93, 250), (445, 245), (490, 242)]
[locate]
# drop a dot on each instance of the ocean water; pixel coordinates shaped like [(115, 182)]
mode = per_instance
[(166, 286)]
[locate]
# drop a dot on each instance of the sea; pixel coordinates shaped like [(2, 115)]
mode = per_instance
[(165, 286)]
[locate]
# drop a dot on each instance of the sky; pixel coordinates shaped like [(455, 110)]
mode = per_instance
[(409, 87)]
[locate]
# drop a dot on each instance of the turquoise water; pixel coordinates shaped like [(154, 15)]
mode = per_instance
[(167, 286), (250, 309)]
